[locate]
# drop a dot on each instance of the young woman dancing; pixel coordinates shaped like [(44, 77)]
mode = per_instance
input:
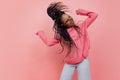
[(72, 37)]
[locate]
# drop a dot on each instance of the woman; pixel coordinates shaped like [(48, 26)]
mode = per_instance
[(72, 37)]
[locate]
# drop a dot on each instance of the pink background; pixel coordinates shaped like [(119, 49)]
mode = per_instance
[(23, 56)]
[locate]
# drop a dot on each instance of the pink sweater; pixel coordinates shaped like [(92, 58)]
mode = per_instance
[(83, 42)]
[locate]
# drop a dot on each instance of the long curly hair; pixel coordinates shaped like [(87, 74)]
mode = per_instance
[(55, 10)]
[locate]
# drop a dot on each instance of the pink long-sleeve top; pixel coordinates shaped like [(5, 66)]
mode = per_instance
[(82, 42)]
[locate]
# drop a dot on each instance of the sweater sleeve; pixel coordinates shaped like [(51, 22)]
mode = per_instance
[(91, 17), (48, 42)]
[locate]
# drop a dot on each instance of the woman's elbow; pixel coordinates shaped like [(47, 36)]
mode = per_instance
[(95, 14)]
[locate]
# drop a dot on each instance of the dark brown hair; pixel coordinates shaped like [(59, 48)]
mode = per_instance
[(55, 10)]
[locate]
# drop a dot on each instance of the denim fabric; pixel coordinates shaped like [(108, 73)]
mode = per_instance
[(82, 68)]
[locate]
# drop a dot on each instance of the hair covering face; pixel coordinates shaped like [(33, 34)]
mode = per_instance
[(56, 9)]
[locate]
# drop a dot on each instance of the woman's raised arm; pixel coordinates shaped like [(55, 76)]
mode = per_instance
[(91, 16)]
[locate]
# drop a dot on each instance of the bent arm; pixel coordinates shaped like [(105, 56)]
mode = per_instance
[(91, 17), (48, 42)]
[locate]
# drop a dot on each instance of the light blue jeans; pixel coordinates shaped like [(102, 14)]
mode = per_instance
[(83, 70)]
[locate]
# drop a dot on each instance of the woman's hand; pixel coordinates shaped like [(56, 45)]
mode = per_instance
[(77, 11), (39, 32), (82, 12)]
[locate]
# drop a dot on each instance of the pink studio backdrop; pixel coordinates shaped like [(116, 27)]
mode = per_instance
[(23, 56)]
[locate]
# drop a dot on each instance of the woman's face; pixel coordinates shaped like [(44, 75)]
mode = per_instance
[(67, 20)]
